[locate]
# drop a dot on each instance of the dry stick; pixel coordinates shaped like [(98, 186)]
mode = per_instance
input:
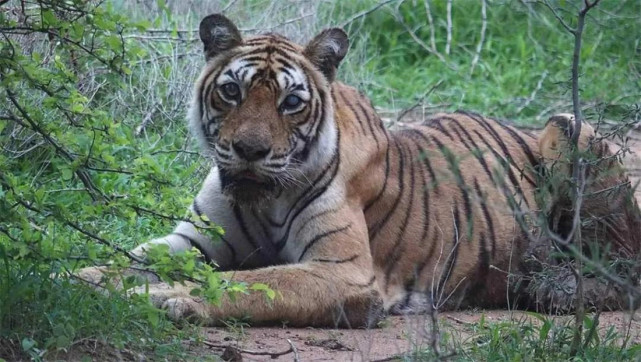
[(419, 102), (364, 13), (419, 41), (532, 96), (479, 46), (430, 22), (578, 165), (448, 45), (146, 119), (255, 353), (296, 358)]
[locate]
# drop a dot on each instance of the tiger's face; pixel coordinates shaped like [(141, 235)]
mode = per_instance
[(262, 108)]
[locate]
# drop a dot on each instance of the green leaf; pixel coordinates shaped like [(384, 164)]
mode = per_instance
[(28, 344), (269, 292)]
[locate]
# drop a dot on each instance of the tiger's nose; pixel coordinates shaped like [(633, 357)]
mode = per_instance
[(250, 151)]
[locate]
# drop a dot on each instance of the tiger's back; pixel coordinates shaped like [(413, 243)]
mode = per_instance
[(439, 200)]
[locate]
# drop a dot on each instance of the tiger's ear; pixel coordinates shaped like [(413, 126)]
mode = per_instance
[(327, 50), (218, 34)]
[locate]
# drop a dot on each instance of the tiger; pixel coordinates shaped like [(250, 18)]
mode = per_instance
[(347, 220)]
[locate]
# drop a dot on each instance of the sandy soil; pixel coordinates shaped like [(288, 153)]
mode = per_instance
[(397, 336)]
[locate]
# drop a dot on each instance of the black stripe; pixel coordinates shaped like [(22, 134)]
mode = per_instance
[(452, 163), (353, 110), (435, 123), (452, 258), (387, 169), (475, 149), (269, 254), (194, 244), (424, 157), (366, 285), (497, 138), (321, 236), (376, 228), (310, 219), (317, 192), (369, 121), (337, 261), (526, 149), (506, 167), (398, 248), (199, 212), (486, 214)]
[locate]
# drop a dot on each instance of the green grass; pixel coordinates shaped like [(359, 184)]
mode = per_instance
[(521, 48), (533, 338)]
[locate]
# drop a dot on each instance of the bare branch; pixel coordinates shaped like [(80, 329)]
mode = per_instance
[(479, 46), (430, 22), (558, 17), (448, 45), (365, 13), (419, 41)]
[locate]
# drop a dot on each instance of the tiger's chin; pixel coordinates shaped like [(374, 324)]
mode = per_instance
[(248, 190)]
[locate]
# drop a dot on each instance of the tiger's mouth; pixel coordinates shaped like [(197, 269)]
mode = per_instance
[(247, 186)]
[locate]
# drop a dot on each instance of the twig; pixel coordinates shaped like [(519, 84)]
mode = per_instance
[(479, 46), (255, 353), (296, 358), (448, 45), (432, 50), (558, 17), (229, 5), (365, 13), (146, 119), (532, 96), (430, 22), (419, 102)]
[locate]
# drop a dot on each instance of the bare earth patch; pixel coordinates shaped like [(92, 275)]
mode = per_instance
[(398, 335)]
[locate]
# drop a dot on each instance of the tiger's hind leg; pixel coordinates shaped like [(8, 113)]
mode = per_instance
[(610, 222)]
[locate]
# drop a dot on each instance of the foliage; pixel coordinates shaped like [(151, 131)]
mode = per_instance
[(533, 337), (76, 184), (524, 68)]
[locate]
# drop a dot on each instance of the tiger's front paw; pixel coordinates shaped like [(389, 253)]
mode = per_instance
[(177, 301), (190, 309)]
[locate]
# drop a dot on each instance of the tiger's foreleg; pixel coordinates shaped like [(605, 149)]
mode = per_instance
[(307, 294), (329, 283)]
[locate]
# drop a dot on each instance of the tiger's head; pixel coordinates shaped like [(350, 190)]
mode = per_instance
[(262, 107)]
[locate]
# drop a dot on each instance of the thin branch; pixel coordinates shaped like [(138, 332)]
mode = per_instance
[(419, 41), (365, 13), (252, 352), (430, 22), (479, 46), (448, 45), (532, 96), (558, 17)]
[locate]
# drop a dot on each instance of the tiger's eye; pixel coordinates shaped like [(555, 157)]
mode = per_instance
[(230, 90), (291, 101)]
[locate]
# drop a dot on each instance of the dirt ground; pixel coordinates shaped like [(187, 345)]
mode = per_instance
[(398, 335)]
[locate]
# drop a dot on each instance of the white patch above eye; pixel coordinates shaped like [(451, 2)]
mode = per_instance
[(240, 73), (289, 82)]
